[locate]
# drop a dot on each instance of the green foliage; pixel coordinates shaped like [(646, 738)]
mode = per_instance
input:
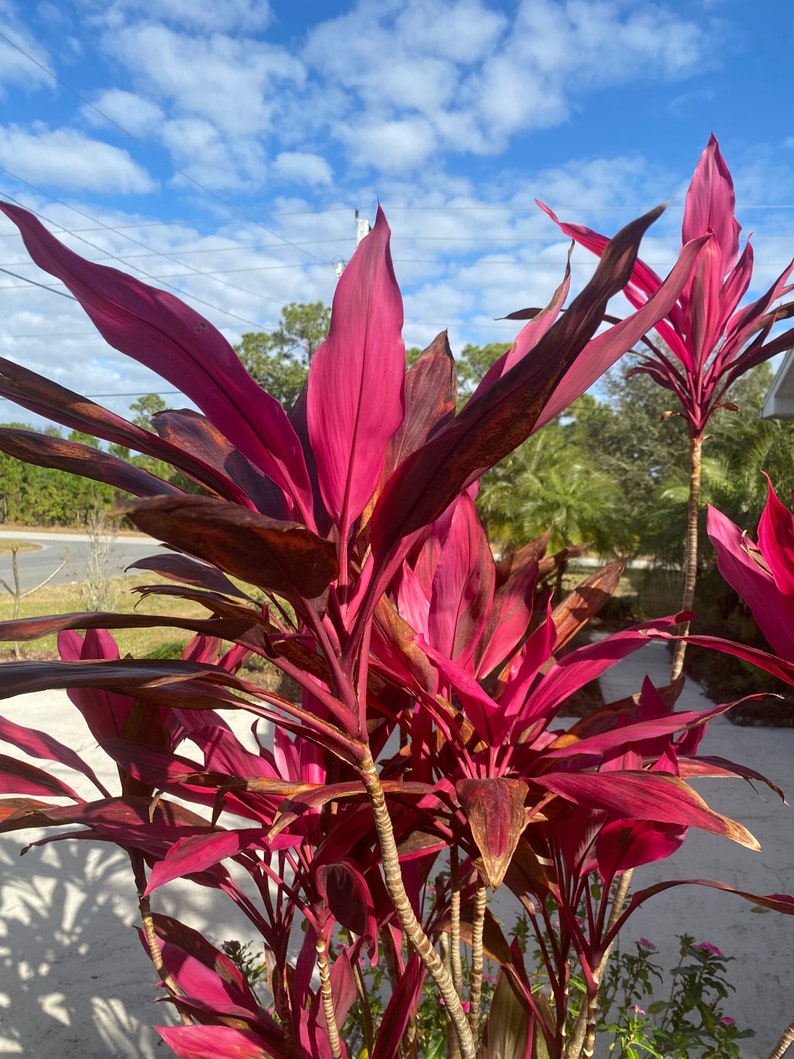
[(689, 1024), (40, 496), (279, 361), (552, 480)]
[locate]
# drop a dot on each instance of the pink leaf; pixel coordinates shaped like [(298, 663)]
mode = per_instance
[(218, 1042), (355, 395), (641, 795)]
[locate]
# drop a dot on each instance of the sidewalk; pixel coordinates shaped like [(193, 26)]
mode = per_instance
[(760, 941), (75, 982)]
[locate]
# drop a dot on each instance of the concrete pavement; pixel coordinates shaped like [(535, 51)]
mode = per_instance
[(75, 981)]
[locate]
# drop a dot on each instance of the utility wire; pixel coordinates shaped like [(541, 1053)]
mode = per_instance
[(143, 272), (156, 154)]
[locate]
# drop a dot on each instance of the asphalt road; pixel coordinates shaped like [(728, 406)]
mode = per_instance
[(75, 548)]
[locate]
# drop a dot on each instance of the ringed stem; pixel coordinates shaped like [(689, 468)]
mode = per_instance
[(393, 880), (691, 547)]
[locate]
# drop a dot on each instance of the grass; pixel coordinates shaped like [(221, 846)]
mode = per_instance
[(6, 547), (65, 599)]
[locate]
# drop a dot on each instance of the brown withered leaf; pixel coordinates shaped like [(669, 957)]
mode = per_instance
[(585, 601), (282, 557)]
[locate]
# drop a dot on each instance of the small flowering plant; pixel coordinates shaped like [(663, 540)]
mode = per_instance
[(426, 746), (689, 1023)]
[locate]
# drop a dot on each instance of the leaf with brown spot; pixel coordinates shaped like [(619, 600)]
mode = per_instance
[(494, 808)]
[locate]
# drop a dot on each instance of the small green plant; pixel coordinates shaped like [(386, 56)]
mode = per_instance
[(250, 965), (689, 1024)]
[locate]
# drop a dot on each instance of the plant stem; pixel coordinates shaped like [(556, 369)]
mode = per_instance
[(455, 963), (475, 981), (691, 549), (583, 1033), (392, 877), (324, 970), (784, 1043)]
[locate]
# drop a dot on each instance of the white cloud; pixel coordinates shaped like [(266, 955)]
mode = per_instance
[(68, 159), (476, 79), (209, 16), (229, 82), (211, 159), (299, 167), (134, 113), (396, 146), (15, 68)]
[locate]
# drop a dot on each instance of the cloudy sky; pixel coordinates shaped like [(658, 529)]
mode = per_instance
[(221, 149)]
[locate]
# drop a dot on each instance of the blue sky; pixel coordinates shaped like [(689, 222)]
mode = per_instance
[(220, 149)]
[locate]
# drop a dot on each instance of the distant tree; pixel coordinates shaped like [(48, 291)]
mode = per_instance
[(553, 482), (279, 361), (473, 363), (146, 408)]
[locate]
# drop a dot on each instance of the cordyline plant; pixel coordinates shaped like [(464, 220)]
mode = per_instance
[(342, 544), (707, 339)]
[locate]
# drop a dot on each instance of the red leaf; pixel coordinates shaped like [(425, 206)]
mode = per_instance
[(490, 427), (355, 400), (174, 340), (75, 458), (218, 1042), (494, 808), (641, 795)]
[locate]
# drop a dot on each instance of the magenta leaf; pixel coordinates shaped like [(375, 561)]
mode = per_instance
[(218, 1042), (20, 777), (490, 427), (355, 395), (658, 797), (163, 333)]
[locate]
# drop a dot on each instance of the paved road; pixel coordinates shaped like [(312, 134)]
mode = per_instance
[(35, 566)]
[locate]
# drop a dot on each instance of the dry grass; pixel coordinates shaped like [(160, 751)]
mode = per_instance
[(66, 599), (7, 546)]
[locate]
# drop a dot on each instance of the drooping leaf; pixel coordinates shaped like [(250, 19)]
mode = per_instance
[(48, 399), (219, 1042), (282, 557), (34, 628), (42, 745), (83, 460), (645, 796), (188, 571), (21, 777), (172, 339), (192, 433)]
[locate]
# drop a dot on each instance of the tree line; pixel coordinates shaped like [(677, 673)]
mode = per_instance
[(612, 470)]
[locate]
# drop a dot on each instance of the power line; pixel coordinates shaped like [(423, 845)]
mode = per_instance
[(142, 143), (143, 272)]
